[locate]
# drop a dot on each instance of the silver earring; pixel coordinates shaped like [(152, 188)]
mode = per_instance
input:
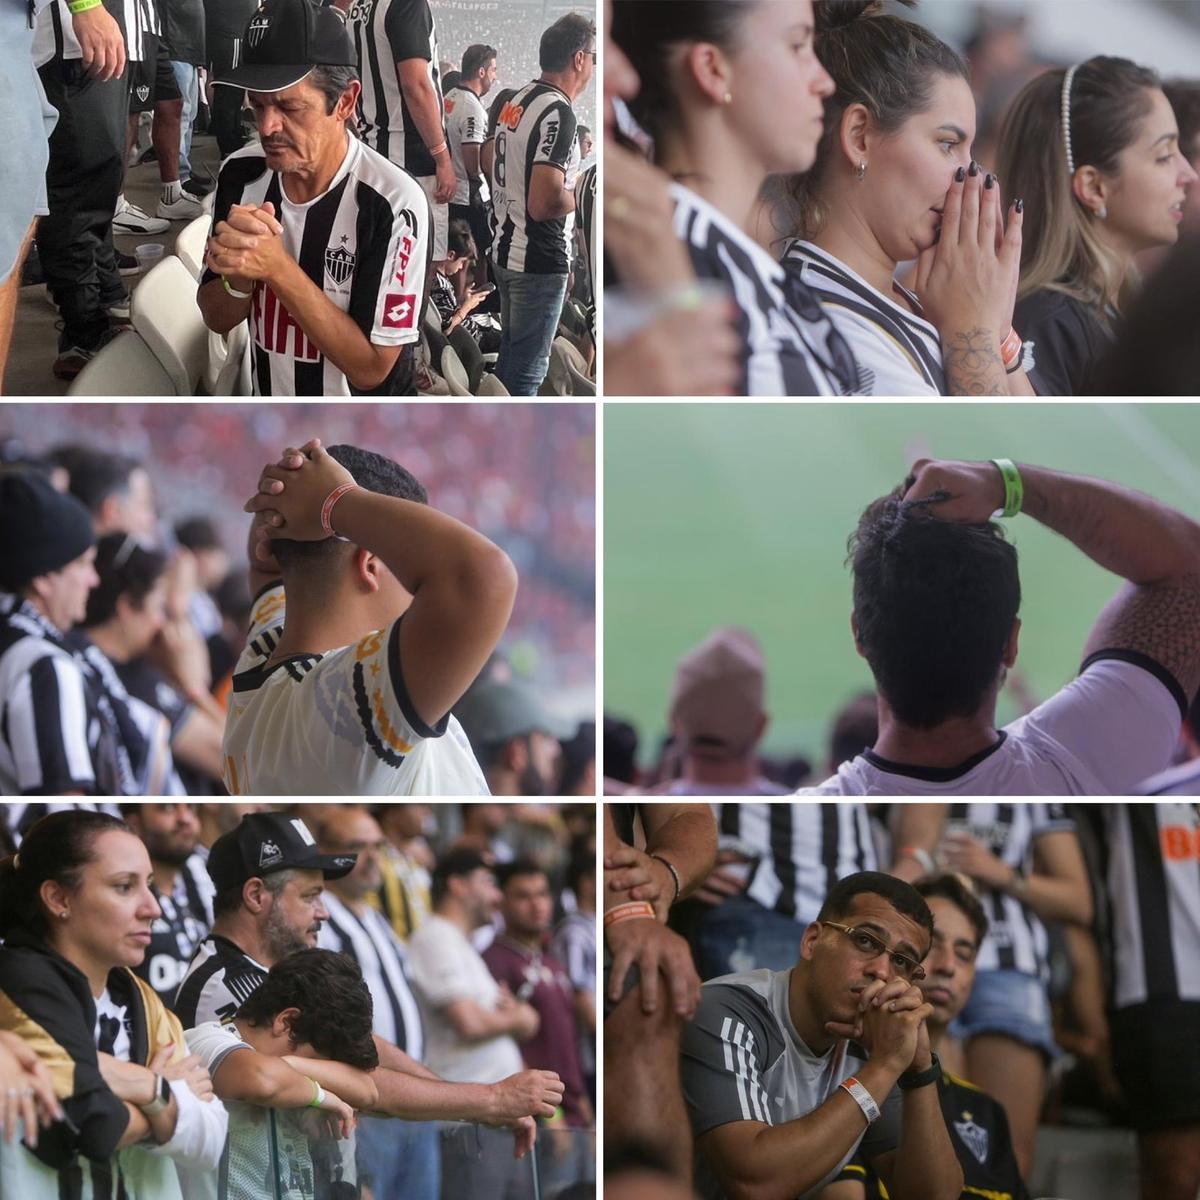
[(1102, 212), (728, 97), (861, 172)]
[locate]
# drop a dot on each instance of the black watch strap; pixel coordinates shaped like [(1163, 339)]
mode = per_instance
[(931, 1074)]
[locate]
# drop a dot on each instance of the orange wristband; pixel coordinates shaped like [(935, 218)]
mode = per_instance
[(327, 508), (1010, 348), (635, 910)]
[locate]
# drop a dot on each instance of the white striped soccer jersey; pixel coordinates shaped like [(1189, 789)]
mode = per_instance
[(1113, 726), (1153, 882), (55, 36), (219, 980), (742, 1060), (386, 33), (536, 127), (797, 852), (339, 723), (364, 242), (898, 352), (466, 125), (790, 345)]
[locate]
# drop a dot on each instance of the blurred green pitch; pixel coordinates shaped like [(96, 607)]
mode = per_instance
[(739, 513)]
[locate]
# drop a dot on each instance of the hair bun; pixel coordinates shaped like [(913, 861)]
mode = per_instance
[(835, 14)]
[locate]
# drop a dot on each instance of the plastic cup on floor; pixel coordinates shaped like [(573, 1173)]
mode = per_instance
[(149, 254)]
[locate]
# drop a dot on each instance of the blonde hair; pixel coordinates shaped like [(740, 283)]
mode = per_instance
[(1061, 251)]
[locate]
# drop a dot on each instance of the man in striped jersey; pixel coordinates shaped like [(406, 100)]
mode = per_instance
[(786, 1074), (936, 597), (361, 640), (319, 241), (466, 131), (535, 164), (1153, 877), (400, 110), (55, 738)]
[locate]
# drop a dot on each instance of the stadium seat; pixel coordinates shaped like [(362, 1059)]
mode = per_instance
[(581, 385), (191, 244), (454, 373), (125, 367), (166, 314), (566, 365), (490, 385), (233, 377)]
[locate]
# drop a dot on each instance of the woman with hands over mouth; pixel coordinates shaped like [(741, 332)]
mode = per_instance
[(894, 182)]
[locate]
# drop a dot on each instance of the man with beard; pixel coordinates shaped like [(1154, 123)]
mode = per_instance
[(181, 886), (269, 877)]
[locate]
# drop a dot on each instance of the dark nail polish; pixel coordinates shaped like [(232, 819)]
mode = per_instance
[(1020, 206), (960, 175), (974, 169), (989, 182)]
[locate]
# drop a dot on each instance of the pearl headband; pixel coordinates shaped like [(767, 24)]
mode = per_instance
[(1066, 117)]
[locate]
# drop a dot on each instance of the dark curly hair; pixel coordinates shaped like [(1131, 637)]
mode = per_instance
[(934, 603), (953, 888), (336, 1016)]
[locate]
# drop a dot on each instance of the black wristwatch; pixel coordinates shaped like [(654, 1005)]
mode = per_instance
[(931, 1074)]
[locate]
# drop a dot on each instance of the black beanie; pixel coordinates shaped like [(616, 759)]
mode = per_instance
[(41, 529)]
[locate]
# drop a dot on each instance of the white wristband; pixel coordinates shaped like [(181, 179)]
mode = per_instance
[(862, 1098)]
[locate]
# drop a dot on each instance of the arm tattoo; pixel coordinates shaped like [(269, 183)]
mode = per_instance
[(973, 365), (1160, 620)]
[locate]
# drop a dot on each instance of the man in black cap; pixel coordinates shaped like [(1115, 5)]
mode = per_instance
[(269, 876), (318, 240), (54, 739)]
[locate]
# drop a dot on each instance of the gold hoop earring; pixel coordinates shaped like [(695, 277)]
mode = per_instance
[(861, 172)]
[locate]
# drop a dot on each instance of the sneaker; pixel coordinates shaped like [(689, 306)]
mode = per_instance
[(186, 208), (130, 219), (127, 264), (118, 311), (198, 188), (71, 361)]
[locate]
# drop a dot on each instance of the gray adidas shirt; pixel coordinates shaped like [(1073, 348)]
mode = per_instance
[(743, 1060)]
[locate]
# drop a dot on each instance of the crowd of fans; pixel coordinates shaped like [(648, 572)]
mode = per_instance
[(936, 595), (937, 222), (359, 316), (395, 966), (1030, 953), (155, 613)]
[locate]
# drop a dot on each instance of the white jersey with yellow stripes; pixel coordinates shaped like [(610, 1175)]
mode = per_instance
[(338, 723)]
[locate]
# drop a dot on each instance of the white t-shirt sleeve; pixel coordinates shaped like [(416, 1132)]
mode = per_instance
[(401, 290), (441, 970), (214, 1042), (472, 123), (1112, 726)]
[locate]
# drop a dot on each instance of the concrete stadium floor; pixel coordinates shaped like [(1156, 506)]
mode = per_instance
[(35, 339)]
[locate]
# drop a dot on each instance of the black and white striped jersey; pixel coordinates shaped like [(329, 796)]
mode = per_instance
[(797, 852), (55, 33), (1153, 880), (536, 127), (742, 1059), (219, 980), (365, 242), (383, 960), (338, 723), (184, 922), (898, 353), (1016, 938), (466, 125), (386, 33), (791, 347), (57, 731)]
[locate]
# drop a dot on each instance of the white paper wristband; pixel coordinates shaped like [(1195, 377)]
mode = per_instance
[(862, 1098)]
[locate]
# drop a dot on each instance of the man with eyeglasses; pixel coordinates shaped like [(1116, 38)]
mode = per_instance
[(787, 1074), (976, 1121)]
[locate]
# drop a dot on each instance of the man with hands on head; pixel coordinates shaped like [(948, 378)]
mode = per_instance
[(652, 985), (392, 609), (941, 634), (318, 240), (787, 1073)]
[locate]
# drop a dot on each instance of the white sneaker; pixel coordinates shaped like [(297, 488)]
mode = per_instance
[(186, 208), (130, 219)]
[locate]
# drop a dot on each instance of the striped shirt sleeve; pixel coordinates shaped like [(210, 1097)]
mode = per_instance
[(47, 729), (725, 1054), (554, 138)]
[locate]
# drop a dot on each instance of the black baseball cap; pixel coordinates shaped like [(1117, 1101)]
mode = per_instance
[(268, 842), (284, 40)]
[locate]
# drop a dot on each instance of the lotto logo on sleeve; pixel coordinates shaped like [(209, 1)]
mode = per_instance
[(399, 312)]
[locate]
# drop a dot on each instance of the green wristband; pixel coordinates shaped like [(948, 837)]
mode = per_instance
[(233, 291), (1014, 490), (78, 6)]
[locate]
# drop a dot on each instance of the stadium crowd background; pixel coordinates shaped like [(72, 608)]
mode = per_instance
[(755, 879), (403, 845), (521, 474)]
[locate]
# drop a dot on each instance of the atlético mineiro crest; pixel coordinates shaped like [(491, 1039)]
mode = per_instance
[(257, 30), (339, 264), (973, 1136), (143, 92), (399, 311)]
